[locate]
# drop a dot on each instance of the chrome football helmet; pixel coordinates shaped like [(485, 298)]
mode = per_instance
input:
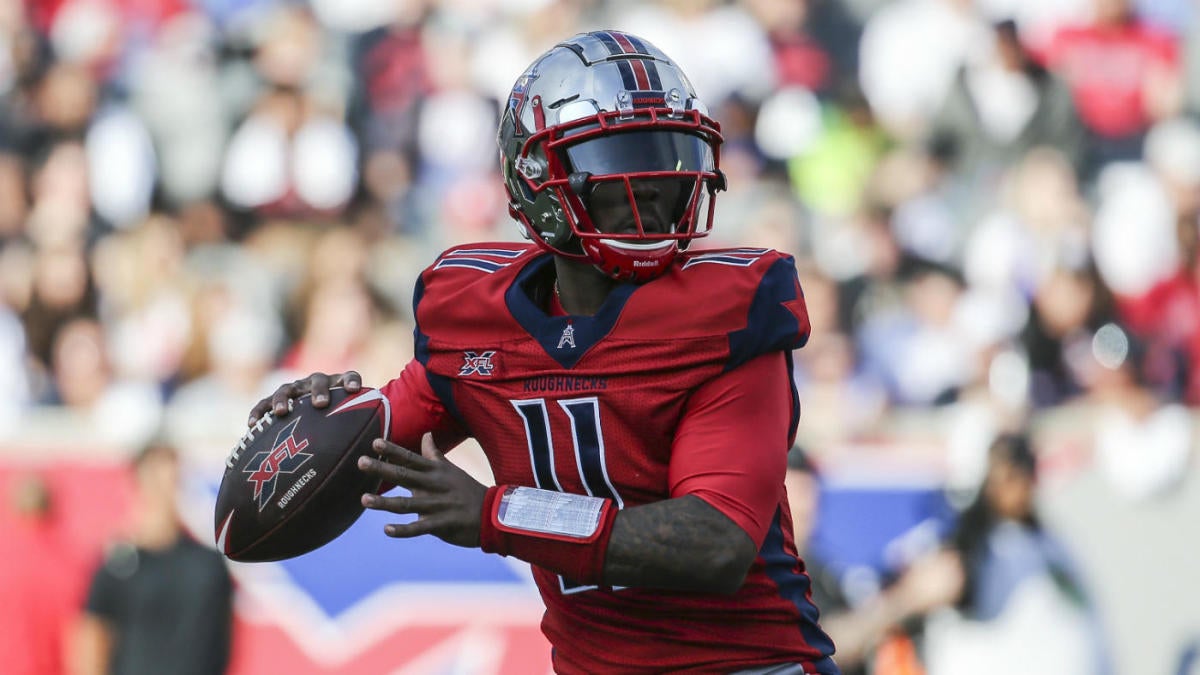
[(609, 112)]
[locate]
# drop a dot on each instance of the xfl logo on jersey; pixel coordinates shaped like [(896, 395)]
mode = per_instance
[(477, 364)]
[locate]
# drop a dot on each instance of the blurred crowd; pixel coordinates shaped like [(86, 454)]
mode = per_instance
[(994, 204)]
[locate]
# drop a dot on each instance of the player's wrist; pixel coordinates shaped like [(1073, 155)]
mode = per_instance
[(562, 532), (489, 537)]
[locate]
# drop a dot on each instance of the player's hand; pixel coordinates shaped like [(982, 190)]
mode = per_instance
[(317, 384), (447, 501)]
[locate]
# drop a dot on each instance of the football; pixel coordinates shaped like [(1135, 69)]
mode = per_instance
[(292, 483)]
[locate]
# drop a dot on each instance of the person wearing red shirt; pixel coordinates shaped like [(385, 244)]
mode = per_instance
[(1167, 318), (1123, 74), (634, 399)]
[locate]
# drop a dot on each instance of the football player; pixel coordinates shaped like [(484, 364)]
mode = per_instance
[(634, 398)]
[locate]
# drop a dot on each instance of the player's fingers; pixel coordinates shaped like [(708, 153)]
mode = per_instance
[(412, 504), (406, 530), (351, 380), (318, 384), (397, 475), (281, 400), (261, 408), (402, 456)]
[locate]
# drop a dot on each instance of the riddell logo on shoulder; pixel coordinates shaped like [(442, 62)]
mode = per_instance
[(644, 263)]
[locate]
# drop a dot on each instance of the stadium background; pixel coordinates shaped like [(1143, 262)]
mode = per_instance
[(201, 199)]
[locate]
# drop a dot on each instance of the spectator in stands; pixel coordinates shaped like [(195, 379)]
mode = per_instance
[(14, 205), (240, 348), (1172, 152), (928, 215), (869, 286), (293, 155), (60, 211), (1067, 309), (334, 307), (1021, 604), (1167, 316), (180, 96), (906, 79), (1001, 105), (455, 123), (919, 350), (814, 42), (1124, 76), (160, 602), (841, 402), (143, 286), (831, 174), (39, 582), (81, 368), (1040, 222), (1132, 260), (64, 98), (858, 629), (121, 409), (1142, 440), (392, 77), (58, 226)]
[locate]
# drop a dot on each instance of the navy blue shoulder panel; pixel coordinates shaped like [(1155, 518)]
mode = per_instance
[(420, 339), (777, 320), (439, 383)]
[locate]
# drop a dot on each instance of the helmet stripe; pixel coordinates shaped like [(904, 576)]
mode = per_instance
[(626, 46), (610, 42), (639, 73), (637, 43), (627, 77), (652, 70)]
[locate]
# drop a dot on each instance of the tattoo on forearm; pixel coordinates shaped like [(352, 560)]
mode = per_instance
[(674, 544)]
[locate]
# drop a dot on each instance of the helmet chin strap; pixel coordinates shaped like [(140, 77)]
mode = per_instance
[(629, 245), (625, 260)]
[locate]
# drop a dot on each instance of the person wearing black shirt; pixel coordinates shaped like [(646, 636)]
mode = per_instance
[(159, 602)]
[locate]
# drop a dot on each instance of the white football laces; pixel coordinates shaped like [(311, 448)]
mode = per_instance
[(247, 438)]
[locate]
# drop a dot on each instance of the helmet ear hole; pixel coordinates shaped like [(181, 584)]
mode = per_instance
[(556, 231)]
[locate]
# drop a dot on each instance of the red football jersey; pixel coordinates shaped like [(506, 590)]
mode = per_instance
[(678, 386)]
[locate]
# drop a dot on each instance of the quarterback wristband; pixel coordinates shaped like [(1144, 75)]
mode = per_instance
[(562, 532)]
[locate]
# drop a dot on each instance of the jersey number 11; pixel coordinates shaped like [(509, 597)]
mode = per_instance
[(588, 440)]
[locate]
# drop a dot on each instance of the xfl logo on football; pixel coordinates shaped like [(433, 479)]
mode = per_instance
[(477, 364), (285, 457)]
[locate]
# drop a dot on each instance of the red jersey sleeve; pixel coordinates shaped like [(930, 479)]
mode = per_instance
[(731, 446), (416, 409)]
